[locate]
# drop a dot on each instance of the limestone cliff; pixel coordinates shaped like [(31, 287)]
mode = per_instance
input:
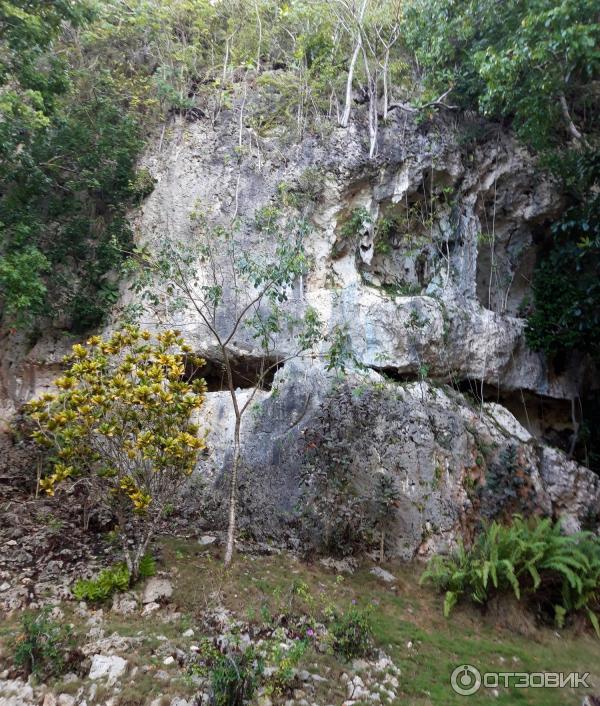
[(446, 389)]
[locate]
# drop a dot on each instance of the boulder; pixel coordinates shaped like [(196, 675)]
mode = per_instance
[(383, 574), (107, 667), (157, 590)]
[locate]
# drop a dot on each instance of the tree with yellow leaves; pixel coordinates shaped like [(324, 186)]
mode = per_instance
[(121, 421)]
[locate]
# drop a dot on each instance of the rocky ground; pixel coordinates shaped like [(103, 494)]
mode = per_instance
[(151, 645)]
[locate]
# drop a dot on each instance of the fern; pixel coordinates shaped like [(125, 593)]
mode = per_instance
[(111, 580), (533, 559)]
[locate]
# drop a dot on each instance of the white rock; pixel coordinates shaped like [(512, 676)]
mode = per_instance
[(150, 608), (359, 665), (124, 603), (188, 633), (66, 700), (16, 692), (157, 589), (109, 667), (4, 587), (507, 421), (383, 574), (206, 540), (390, 679), (167, 661)]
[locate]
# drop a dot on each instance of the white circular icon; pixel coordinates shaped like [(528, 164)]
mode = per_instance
[(466, 680)]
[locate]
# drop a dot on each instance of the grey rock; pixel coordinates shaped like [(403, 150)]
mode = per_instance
[(15, 692), (206, 540), (124, 603), (107, 667), (157, 590), (383, 574), (66, 700)]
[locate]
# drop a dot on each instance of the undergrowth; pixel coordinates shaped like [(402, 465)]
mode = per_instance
[(555, 574), (111, 580)]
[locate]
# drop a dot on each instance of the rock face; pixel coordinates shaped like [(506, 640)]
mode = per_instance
[(451, 461), (430, 287)]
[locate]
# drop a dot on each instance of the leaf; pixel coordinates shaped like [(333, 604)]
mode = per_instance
[(450, 601)]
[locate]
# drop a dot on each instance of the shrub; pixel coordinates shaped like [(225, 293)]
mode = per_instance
[(359, 220), (284, 662), (109, 581), (351, 633), (120, 424), (234, 679), (531, 558), (41, 646)]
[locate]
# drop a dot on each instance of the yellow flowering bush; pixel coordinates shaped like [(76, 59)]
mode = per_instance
[(121, 419)]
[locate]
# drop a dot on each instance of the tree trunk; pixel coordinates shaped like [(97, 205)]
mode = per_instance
[(346, 114), (373, 119), (384, 110), (348, 102), (382, 547), (233, 494)]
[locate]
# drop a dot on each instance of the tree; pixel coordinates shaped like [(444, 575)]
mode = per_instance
[(534, 62), (241, 298), (120, 423)]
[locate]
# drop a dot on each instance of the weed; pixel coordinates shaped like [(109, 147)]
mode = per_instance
[(41, 646), (351, 633), (234, 679)]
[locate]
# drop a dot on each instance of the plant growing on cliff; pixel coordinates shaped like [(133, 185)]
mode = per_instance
[(119, 423), (555, 573), (242, 297)]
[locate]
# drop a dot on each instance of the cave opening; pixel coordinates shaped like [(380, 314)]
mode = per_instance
[(569, 425), (247, 372)]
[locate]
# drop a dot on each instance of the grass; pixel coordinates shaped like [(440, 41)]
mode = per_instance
[(407, 621)]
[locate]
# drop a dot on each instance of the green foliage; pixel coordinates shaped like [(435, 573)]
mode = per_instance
[(566, 285), (142, 184), (21, 283), (508, 487), (265, 219), (42, 644), (359, 219), (108, 581), (512, 58), (234, 678), (67, 153), (532, 559), (112, 580), (120, 422), (283, 663), (351, 633)]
